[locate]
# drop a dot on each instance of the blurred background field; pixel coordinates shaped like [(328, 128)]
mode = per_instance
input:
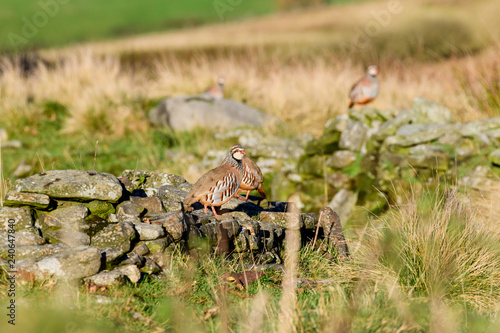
[(95, 69)]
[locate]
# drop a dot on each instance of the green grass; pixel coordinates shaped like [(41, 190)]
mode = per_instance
[(79, 21), (355, 297), (46, 147)]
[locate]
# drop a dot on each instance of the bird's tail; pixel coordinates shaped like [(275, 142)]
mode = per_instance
[(261, 191)]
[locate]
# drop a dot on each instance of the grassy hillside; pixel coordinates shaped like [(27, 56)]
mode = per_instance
[(295, 66), (424, 267), (77, 21)]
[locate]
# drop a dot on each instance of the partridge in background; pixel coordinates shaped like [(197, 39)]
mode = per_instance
[(252, 178), (217, 90), (366, 89), (218, 185)]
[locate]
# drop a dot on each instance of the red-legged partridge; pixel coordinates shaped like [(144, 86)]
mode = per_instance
[(252, 178), (217, 90), (366, 89), (218, 185)]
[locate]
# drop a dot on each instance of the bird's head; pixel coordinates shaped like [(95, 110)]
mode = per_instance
[(372, 70), (237, 152), (221, 80)]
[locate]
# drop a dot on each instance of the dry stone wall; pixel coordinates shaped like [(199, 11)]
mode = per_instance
[(370, 157), (76, 225)]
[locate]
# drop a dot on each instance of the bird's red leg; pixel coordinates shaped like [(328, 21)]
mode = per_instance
[(213, 210), (244, 198), (205, 210), (236, 194)]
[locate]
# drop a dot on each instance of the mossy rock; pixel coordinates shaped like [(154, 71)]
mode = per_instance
[(326, 144), (282, 187), (375, 202), (96, 207), (494, 157), (100, 208), (313, 187), (313, 165)]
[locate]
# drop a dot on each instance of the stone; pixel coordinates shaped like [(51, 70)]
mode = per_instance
[(72, 238), (435, 162), (390, 127), (23, 169), (118, 236), (70, 217), (230, 205), (425, 111), (241, 241), (22, 218), (28, 236), (332, 230), (494, 136), (146, 183), (271, 234), (337, 124), (353, 136), (282, 187), (141, 249), (13, 144), (111, 255), (426, 149), (174, 223), (152, 205), (149, 231), (338, 180), (279, 148), (386, 114), (494, 157), (133, 258), (307, 220), (131, 272), (70, 264), (164, 260), (343, 203), (72, 184), (34, 252), (277, 218), (36, 200), (157, 245), (450, 139), (240, 216), (124, 218), (191, 112), (310, 220), (312, 165), (479, 182), (221, 234), (100, 208), (129, 208), (113, 218), (481, 126), (171, 197), (108, 278), (150, 266), (421, 133), (341, 159), (215, 231)]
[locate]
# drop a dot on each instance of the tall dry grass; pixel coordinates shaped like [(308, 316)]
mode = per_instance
[(437, 246), (97, 93), (103, 97)]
